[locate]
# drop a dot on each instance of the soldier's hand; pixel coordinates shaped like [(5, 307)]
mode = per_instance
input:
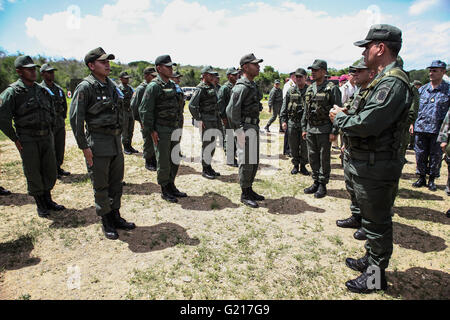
[(334, 112), (411, 129), (225, 121), (88, 156), (333, 137), (155, 137), (19, 146), (304, 135), (443, 146), (284, 126)]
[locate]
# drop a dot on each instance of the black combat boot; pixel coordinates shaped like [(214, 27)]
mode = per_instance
[(108, 227), (266, 128), (51, 204), (313, 188), (127, 149), (62, 172), (360, 234), (431, 185), (166, 194), (177, 193), (295, 170), (447, 188), (352, 222), (255, 196), (361, 284), (303, 170), (42, 209), (217, 174), (360, 264), (321, 191), (448, 213), (150, 164), (4, 192), (119, 222), (133, 150), (208, 174), (247, 199), (420, 182)]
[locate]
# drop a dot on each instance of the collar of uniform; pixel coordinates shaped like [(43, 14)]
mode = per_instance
[(387, 68), (245, 79), (23, 85), (103, 84), (321, 86), (159, 77), (442, 87)]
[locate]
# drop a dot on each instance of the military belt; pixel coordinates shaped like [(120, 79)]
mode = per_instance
[(372, 157), (249, 120), (108, 131), (34, 132)]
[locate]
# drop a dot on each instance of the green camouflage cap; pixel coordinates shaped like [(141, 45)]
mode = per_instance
[(24, 62), (97, 54), (124, 75), (300, 72), (176, 74), (232, 70), (46, 67), (209, 69), (249, 58), (165, 60), (381, 32), (150, 70), (359, 65), (277, 82), (319, 64)]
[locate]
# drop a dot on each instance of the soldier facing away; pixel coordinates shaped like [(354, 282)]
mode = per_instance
[(97, 103), (30, 107), (275, 103)]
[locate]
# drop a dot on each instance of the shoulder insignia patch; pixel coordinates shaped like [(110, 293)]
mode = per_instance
[(382, 94)]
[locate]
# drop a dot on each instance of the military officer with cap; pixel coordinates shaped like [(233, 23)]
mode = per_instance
[(224, 96), (60, 105), (128, 117), (30, 107), (275, 103), (375, 163), (98, 103), (149, 151), (434, 104), (291, 118), (317, 127), (204, 109), (243, 116), (176, 77), (161, 115)]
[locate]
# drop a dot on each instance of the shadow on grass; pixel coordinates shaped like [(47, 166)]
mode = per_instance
[(73, 218), (207, 202), (16, 254), (146, 188), (419, 284), (341, 193), (186, 170), (16, 199), (336, 177), (415, 239), (424, 214), (413, 194), (157, 237), (288, 205)]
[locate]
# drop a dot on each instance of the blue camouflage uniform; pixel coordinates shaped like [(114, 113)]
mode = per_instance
[(434, 105)]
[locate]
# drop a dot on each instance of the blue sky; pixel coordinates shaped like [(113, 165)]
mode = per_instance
[(37, 27)]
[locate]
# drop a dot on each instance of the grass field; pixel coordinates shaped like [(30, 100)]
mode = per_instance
[(209, 245)]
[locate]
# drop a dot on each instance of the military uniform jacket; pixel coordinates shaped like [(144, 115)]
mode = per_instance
[(275, 97), (203, 105), (160, 101), (136, 99), (245, 104), (326, 95), (86, 96), (59, 103), (434, 104), (127, 92), (293, 107), (444, 133), (224, 96), (12, 104), (377, 124)]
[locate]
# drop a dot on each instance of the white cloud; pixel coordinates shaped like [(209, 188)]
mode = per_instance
[(286, 36), (420, 6)]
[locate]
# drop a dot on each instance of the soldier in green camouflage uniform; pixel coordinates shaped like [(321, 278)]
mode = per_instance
[(317, 127), (204, 109), (161, 114), (243, 116), (291, 117), (181, 101), (224, 96), (443, 139), (97, 104), (128, 117), (30, 107), (60, 105), (275, 103), (375, 134), (149, 151)]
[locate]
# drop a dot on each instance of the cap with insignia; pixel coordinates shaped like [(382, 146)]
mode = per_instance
[(46, 67), (249, 58), (318, 64), (24, 62), (124, 75), (150, 70), (176, 74), (381, 32), (438, 64), (232, 70), (300, 72), (277, 82), (360, 65), (209, 69), (165, 60), (97, 54)]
